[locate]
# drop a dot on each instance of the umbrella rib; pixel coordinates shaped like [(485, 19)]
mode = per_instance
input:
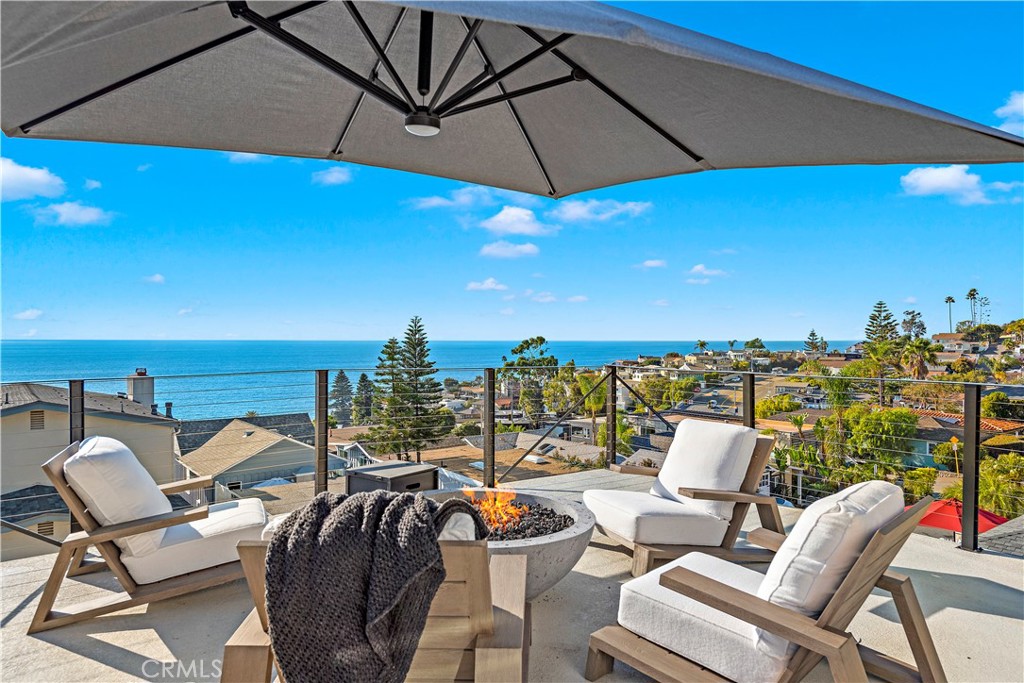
[(513, 94), (274, 30), (149, 71), (515, 113), (373, 74), (466, 42), (622, 102), (382, 57)]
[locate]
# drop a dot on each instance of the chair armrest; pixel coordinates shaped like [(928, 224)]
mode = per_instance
[(791, 625), (635, 469), (727, 496), (186, 485), (772, 540), (137, 526)]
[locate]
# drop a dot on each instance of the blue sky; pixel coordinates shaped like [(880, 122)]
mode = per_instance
[(121, 242)]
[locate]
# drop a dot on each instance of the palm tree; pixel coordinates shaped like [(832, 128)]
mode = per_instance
[(732, 343), (949, 303), (918, 354), (882, 355), (797, 420), (972, 296), (593, 404), (701, 345)]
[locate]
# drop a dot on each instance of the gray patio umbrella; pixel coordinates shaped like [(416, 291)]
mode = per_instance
[(550, 98)]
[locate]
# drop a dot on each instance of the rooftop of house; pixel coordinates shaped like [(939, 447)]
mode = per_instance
[(948, 337), (988, 424), (973, 603), (194, 433), (236, 442), (21, 396)]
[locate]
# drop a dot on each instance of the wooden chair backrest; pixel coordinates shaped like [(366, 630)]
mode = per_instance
[(755, 470), (111, 553), (879, 553), (460, 611)]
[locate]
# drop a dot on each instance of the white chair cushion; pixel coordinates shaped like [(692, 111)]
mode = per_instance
[(116, 488), (706, 455), (702, 634), (642, 518), (204, 543), (825, 542)]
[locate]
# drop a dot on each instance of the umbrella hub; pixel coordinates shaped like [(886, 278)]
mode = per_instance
[(423, 123)]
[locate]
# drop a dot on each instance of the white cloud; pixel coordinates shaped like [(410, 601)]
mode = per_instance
[(91, 184), (490, 284), (26, 182), (155, 279), (955, 183), (28, 314), (578, 299), (503, 249), (515, 220), (508, 297), (545, 298), (31, 333), (660, 302), (462, 198), (72, 214), (336, 175), (1012, 113), (797, 314), (142, 168), (507, 311), (184, 311), (698, 281), (539, 276), (246, 158), (724, 252), (596, 209), (652, 263), (910, 300), (701, 269)]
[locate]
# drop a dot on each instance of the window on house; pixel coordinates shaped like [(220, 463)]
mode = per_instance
[(45, 528), (234, 486), (37, 419)]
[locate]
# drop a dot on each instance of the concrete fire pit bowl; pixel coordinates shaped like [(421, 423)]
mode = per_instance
[(548, 558)]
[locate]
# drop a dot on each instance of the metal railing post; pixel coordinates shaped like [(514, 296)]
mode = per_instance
[(488, 427), (76, 410), (320, 422), (748, 400), (611, 427), (972, 430)]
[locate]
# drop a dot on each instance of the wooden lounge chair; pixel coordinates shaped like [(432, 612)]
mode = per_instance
[(737, 609), (659, 526), (169, 565), (478, 627)]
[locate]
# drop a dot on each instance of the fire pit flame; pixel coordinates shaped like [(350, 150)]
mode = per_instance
[(496, 507)]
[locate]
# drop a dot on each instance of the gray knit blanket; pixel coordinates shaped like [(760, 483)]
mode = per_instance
[(350, 580)]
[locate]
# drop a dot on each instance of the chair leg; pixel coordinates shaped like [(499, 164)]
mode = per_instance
[(51, 588), (599, 663), (846, 665), (916, 627), (643, 561)]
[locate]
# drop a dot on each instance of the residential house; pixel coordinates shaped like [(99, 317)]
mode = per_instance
[(958, 343), (34, 426)]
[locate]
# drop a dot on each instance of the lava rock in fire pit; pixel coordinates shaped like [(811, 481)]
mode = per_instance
[(535, 520)]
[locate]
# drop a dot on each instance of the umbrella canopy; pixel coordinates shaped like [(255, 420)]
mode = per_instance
[(550, 98), (948, 514)]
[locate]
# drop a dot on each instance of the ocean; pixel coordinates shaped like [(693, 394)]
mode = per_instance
[(207, 379)]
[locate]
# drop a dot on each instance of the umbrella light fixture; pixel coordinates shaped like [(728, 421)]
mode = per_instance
[(548, 98)]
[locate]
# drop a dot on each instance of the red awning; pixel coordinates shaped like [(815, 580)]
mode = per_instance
[(948, 514)]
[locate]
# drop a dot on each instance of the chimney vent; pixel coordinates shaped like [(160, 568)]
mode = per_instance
[(167, 409), (153, 409)]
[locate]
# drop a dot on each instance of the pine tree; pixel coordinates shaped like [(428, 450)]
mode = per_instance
[(362, 406), (341, 399), (422, 401), (881, 324), (389, 409), (813, 342)]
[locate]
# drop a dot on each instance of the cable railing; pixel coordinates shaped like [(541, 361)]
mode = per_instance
[(287, 435)]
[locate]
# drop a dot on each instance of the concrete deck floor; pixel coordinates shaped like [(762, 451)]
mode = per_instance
[(974, 604)]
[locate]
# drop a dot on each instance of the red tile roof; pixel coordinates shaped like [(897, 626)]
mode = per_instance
[(988, 424)]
